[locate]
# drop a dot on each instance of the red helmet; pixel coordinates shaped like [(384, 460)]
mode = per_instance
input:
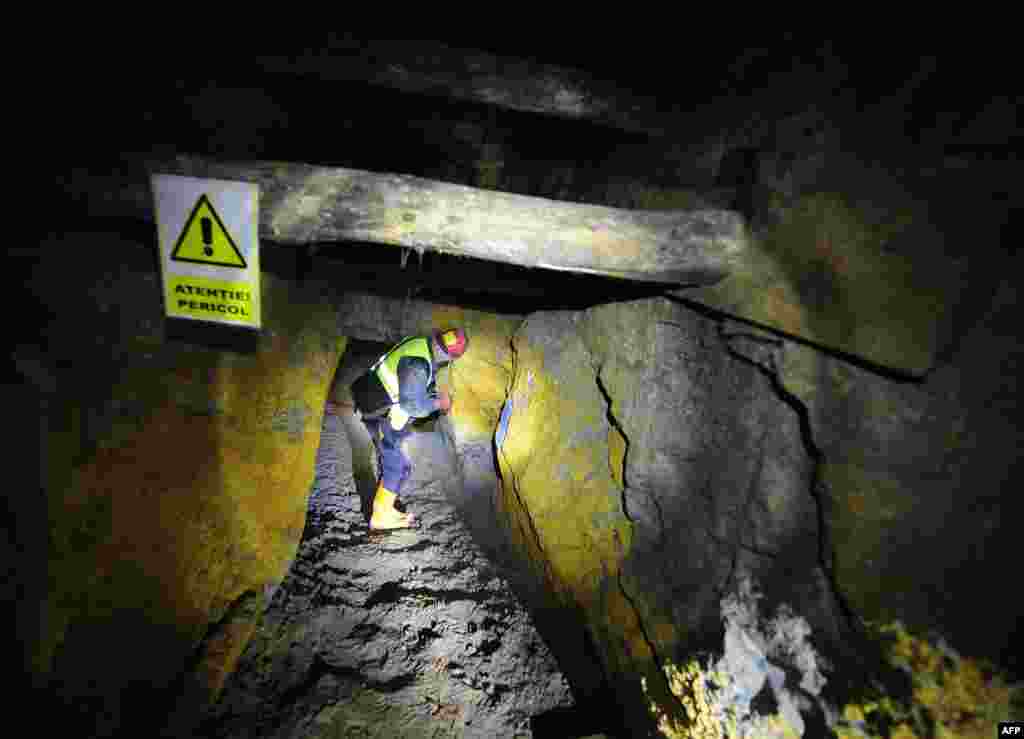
[(453, 341)]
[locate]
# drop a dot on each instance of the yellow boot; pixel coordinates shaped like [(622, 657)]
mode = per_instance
[(385, 515)]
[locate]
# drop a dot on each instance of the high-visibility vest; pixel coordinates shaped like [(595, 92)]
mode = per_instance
[(386, 369)]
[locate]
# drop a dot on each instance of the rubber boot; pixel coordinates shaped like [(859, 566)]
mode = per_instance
[(385, 515)]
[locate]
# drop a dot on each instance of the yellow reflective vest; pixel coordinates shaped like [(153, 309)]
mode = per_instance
[(387, 372)]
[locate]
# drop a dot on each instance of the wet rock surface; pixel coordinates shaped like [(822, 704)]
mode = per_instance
[(411, 633)]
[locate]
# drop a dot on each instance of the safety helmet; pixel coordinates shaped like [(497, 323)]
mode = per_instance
[(453, 341)]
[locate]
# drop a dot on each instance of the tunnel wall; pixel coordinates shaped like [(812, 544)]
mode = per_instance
[(598, 473), (174, 478), (656, 459)]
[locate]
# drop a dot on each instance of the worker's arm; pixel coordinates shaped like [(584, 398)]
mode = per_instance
[(414, 397)]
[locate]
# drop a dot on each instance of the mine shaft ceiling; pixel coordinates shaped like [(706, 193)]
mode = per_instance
[(277, 107)]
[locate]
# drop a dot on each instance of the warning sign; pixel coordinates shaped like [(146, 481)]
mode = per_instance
[(204, 240), (209, 246), (195, 297)]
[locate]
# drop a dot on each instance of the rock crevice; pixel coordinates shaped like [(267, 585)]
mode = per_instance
[(762, 352)]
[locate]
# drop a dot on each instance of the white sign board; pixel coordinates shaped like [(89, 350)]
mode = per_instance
[(209, 249)]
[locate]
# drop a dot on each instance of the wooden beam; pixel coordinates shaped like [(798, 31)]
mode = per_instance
[(302, 204)]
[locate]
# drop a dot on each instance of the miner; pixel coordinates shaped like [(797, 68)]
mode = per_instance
[(399, 387)]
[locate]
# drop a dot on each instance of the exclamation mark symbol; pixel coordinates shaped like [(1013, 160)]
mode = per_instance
[(207, 225)]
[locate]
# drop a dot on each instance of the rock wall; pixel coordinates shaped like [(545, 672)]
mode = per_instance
[(176, 478), (645, 467), (866, 246), (653, 458), (650, 455), (920, 480), (876, 256)]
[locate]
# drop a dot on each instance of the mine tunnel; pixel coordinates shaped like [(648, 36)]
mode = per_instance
[(732, 449)]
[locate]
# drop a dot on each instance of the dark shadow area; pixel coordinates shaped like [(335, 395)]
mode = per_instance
[(358, 357), (738, 172), (217, 336), (887, 372), (425, 135), (573, 722), (472, 283)]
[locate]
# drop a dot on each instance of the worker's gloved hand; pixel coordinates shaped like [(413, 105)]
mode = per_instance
[(444, 400)]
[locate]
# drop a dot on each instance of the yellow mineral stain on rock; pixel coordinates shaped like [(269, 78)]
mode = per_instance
[(783, 310), (953, 696), (617, 456), (664, 634), (203, 499), (479, 380), (561, 468)]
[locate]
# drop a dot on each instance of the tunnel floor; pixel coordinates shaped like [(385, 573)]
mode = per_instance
[(408, 633)]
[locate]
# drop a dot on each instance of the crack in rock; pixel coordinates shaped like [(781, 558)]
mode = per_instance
[(763, 357)]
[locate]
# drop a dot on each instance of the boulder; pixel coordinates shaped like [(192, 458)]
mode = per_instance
[(916, 475), (176, 476), (645, 467)]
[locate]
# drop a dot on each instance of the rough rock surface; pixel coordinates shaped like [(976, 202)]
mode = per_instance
[(764, 680), (174, 477), (406, 634), (921, 480), (718, 476), (760, 654), (678, 465)]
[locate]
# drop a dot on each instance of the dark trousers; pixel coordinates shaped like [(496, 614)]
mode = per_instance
[(393, 464)]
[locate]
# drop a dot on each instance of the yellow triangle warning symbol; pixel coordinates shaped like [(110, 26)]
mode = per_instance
[(204, 240)]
